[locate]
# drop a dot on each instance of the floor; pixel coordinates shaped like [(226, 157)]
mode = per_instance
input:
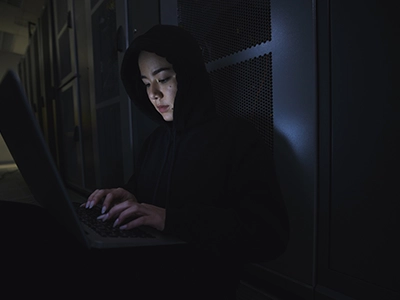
[(13, 186)]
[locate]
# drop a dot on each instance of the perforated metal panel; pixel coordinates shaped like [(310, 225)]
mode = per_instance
[(226, 26), (242, 88), (245, 90)]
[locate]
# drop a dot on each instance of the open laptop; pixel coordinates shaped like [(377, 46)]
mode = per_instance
[(23, 136)]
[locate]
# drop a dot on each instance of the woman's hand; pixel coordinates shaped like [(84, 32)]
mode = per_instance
[(110, 196), (130, 214)]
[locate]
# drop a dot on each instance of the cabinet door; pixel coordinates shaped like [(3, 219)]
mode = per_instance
[(32, 54), (359, 150), (111, 106), (70, 133), (46, 81), (65, 40)]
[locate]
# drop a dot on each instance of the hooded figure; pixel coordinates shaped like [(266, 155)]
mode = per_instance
[(213, 176)]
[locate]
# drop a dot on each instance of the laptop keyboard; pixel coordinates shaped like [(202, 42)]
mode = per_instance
[(106, 229)]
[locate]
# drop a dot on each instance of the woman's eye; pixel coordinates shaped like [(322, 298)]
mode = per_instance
[(163, 80)]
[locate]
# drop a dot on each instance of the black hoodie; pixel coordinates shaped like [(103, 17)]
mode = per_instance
[(215, 176)]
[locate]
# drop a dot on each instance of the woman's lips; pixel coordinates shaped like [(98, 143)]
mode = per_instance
[(163, 108)]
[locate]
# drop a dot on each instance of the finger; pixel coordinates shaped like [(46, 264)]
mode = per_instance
[(110, 197), (87, 203), (94, 198), (96, 194), (118, 194), (133, 210), (123, 194), (103, 217), (116, 211), (140, 221)]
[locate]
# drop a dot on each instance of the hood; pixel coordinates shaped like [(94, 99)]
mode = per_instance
[(194, 103)]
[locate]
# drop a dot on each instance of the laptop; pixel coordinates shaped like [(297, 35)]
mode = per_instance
[(22, 134)]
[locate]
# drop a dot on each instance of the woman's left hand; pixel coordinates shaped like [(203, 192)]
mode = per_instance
[(130, 214)]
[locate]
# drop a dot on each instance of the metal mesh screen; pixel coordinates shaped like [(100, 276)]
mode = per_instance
[(245, 90), (226, 26)]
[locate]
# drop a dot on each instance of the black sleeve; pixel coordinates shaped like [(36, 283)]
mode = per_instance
[(255, 225), (131, 184)]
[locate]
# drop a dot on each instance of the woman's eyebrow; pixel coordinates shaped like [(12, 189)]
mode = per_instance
[(155, 72)]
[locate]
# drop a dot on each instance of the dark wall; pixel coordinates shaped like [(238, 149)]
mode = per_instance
[(360, 143)]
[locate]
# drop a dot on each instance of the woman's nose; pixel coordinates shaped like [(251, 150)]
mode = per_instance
[(155, 92)]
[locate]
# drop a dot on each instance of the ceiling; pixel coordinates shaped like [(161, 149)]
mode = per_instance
[(16, 17)]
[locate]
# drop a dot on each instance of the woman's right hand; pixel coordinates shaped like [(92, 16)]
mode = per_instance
[(111, 197)]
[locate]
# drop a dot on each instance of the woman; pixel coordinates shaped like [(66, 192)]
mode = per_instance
[(206, 179)]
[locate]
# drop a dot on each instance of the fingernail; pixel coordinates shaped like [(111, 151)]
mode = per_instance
[(116, 222), (87, 204), (91, 204), (103, 209), (103, 217), (123, 227)]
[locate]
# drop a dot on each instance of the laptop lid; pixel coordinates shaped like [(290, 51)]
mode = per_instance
[(21, 132)]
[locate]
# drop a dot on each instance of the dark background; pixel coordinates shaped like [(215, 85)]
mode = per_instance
[(318, 79)]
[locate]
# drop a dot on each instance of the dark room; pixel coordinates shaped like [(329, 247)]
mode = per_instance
[(200, 149)]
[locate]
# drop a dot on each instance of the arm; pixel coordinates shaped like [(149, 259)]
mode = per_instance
[(121, 205)]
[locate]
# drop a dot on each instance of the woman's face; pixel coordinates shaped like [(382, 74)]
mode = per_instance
[(160, 80)]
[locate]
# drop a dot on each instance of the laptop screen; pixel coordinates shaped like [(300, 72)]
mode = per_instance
[(23, 136)]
